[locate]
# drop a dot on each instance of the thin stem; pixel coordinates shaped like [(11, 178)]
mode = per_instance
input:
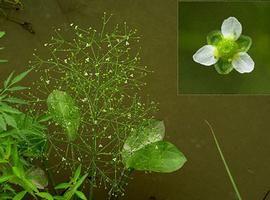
[(224, 162), (50, 176)]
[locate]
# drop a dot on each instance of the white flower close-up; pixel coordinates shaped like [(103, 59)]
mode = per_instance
[(227, 49)]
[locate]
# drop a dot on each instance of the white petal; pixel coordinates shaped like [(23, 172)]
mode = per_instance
[(231, 28), (243, 63), (205, 55)]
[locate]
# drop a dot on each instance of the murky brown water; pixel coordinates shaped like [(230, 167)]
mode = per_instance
[(241, 122)]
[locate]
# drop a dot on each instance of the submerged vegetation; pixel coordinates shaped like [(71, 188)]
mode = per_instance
[(85, 114)]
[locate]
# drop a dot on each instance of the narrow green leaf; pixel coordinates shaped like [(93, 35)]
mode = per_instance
[(20, 195), (62, 186), (8, 109), (7, 81), (63, 110), (10, 120), (81, 195), (69, 194), (19, 77), (5, 178), (28, 185), (2, 161), (224, 162), (3, 61), (3, 123), (17, 88), (2, 97), (17, 172), (44, 118), (77, 173), (14, 154), (45, 195), (59, 198), (15, 100), (157, 157), (2, 33)]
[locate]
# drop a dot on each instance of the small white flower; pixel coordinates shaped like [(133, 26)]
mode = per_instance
[(226, 49)]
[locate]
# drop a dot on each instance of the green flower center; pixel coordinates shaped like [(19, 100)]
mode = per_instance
[(227, 49)]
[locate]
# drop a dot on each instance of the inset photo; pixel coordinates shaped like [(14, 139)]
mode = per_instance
[(223, 48)]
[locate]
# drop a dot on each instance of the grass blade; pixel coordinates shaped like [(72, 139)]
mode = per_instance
[(224, 162)]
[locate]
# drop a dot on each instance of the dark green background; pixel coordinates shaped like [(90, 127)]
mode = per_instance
[(196, 20), (241, 123)]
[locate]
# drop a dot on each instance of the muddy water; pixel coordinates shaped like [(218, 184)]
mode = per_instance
[(241, 123)]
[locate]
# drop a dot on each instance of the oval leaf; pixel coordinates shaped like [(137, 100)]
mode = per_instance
[(64, 111), (38, 177), (157, 157), (152, 131)]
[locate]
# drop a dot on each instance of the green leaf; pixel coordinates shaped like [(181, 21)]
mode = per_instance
[(64, 112), (62, 186), (70, 193), (2, 34), (3, 123), (80, 195), (20, 195), (5, 178), (59, 198), (10, 120), (77, 173), (19, 77), (238, 194), (15, 100), (214, 37), (3, 61), (244, 43), (17, 171), (45, 195), (31, 135), (44, 118), (223, 67), (157, 157), (3, 162), (15, 155), (150, 132), (17, 88), (6, 108), (7, 81), (37, 177)]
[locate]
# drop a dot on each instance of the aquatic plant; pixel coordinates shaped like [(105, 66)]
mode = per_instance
[(90, 84), (22, 139), (227, 49), (85, 110)]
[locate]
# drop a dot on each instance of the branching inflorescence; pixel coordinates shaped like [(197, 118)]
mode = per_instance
[(104, 77)]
